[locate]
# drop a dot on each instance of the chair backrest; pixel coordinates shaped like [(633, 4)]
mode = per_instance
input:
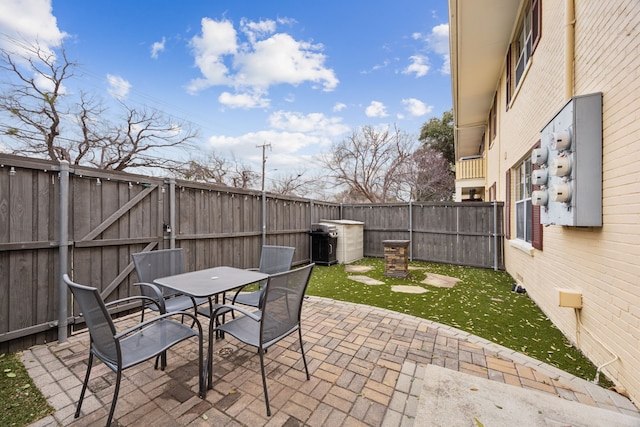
[(98, 320), (276, 259), (282, 303), (161, 263)]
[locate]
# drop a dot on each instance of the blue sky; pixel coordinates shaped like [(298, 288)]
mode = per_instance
[(298, 75)]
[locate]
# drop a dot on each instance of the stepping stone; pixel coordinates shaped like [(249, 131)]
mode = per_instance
[(440, 281), (408, 289), (357, 268), (366, 280)]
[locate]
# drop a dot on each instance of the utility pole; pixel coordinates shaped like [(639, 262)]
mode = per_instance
[(264, 160)]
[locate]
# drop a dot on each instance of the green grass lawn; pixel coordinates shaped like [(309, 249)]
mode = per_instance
[(481, 303), (21, 403)]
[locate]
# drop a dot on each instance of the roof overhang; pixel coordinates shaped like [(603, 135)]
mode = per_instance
[(479, 34)]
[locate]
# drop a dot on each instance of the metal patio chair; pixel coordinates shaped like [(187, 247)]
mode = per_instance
[(161, 263), (273, 259), (122, 350), (278, 318)]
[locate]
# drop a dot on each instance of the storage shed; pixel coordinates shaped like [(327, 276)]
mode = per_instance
[(350, 246)]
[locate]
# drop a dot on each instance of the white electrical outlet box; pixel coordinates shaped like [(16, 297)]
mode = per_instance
[(569, 298)]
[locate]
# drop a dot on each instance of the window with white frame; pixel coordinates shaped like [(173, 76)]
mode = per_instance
[(523, 46), (523, 200)]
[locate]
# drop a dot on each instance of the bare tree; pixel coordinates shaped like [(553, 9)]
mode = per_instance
[(429, 176), (293, 184), (142, 141), (370, 163), (213, 168), (44, 120), (242, 176), (34, 99)]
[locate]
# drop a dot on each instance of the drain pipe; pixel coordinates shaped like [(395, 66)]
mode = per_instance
[(579, 326), (570, 47), (495, 235)]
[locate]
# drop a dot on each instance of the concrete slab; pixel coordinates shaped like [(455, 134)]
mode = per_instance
[(440, 281), (357, 268), (452, 398), (408, 289), (366, 280)]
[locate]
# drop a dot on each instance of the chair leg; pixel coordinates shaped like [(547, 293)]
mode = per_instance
[(304, 359), (264, 381), (84, 385), (115, 397)]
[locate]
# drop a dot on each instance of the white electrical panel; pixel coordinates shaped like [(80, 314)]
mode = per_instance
[(570, 165)]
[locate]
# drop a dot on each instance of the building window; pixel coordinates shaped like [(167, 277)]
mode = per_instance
[(523, 200), (493, 120), (523, 46)]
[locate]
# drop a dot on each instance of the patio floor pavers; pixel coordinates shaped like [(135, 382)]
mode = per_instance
[(367, 368)]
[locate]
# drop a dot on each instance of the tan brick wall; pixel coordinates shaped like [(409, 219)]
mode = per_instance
[(604, 263)]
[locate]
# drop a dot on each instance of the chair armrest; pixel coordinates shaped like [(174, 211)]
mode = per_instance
[(247, 313), (133, 298), (156, 293), (139, 326)]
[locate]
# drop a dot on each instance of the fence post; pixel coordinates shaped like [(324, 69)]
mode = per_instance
[(410, 230), (172, 213), (63, 250), (312, 213), (264, 218)]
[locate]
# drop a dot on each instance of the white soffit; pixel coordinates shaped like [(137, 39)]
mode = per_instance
[(480, 32)]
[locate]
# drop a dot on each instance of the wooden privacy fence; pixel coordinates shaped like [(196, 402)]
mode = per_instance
[(88, 222), (467, 233)]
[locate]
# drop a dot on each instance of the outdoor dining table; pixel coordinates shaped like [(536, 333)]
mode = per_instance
[(208, 283)]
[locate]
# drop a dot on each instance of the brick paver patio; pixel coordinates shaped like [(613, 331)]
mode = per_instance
[(366, 365)]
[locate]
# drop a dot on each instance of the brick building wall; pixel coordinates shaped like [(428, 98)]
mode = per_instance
[(602, 262)]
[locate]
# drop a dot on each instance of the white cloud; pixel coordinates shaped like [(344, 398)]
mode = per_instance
[(339, 107), (30, 22), (157, 47), (376, 109), (265, 59), (416, 108), (217, 40), (438, 41), (419, 66), (254, 30), (243, 100), (282, 143), (118, 87), (313, 123), (282, 59)]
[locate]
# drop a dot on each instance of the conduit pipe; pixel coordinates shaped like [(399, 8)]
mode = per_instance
[(579, 326), (570, 16)]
